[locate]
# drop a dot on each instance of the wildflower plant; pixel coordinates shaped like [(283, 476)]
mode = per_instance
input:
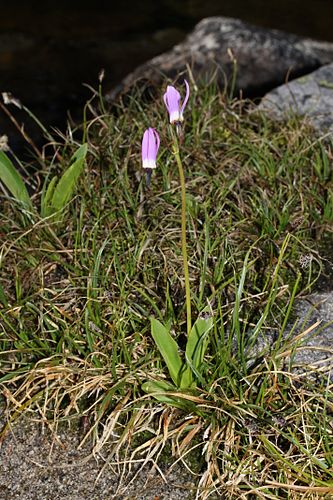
[(185, 372)]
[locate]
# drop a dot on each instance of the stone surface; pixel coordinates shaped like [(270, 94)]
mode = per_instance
[(265, 58), (316, 350), (310, 96), (307, 340)]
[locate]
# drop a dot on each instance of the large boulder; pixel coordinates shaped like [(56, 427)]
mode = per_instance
[(265, 57), (310, 96)]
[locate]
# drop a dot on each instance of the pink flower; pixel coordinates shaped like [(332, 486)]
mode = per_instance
[(172, 101), (150, 145)]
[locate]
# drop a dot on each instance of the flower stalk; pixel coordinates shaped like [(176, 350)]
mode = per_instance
[(183, 230)]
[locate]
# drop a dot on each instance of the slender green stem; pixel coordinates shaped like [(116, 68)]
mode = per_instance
[(183, 223)]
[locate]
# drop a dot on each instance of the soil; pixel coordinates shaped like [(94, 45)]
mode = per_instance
[(36, 464)]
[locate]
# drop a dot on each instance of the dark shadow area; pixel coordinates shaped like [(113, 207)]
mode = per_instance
[(49, 49)]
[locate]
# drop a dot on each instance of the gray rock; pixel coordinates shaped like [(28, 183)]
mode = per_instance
[(307, 345), (314, 334), (265, 58), (310, 96)]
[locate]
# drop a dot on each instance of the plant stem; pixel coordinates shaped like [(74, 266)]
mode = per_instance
[(183, 224)]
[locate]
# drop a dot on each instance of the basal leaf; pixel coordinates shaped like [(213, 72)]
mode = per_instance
[(196, 345), (46, 208), (65, 187), (168, 348), (159, 390), (13, 181), (158, 386)]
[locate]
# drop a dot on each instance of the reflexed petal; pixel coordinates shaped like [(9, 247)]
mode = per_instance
[(172, 100), (145, 145), (157, 139), (165, 98), (186, 97), (173, 97)]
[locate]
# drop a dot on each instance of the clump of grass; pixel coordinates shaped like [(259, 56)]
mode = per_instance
[(77, 293)]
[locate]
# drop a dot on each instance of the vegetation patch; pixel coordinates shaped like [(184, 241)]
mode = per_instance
[(92, 262)]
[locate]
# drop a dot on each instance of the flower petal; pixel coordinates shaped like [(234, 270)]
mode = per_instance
[(186, 97), (145, 145), (157, 138), (165, 98), (172, 99), (150, 145)]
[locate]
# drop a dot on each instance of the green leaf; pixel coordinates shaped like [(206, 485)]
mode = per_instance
[(168, 348), (47, 194), (196, 346), (65, 187), (159, 390), (13, 181), (158, 386), (198, 339)]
